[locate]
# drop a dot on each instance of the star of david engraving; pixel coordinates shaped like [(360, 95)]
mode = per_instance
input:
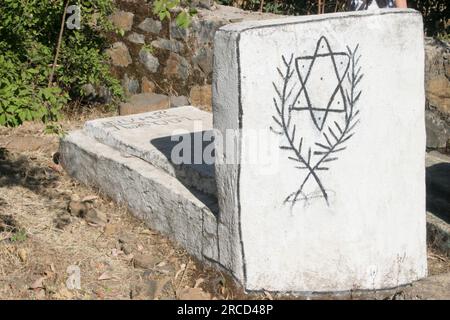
[(329, 83), (321, 76)]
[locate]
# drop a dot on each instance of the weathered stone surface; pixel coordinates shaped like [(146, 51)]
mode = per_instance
[(437, 84), (144, 102), (150, 25), (304, 216), (122, 20), (437, 75), (178, 101), (200, 97), (148, 137), (136, 38), (130, 85), (204, 4), (147, 86), (150, 62), (171, 45), (119, 54), (154, 196), (177, 32), (438, 130), (177, 66), (203, 59), (205, 29)]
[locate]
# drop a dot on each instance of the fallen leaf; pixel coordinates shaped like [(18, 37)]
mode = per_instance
[(268, 295), (38, 283), (23, 255), (147, 232), (105, 276), (56, 167), (89, 199), (182, 268)]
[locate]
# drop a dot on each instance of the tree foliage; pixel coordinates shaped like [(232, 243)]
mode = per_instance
[(28, 38)]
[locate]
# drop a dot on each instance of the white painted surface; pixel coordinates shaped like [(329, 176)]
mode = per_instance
[(154, 196), (149, 136), (371, 234)]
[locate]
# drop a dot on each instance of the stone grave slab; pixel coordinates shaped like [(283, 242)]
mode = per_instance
[(152, 136), (341, 98), (158, 198)]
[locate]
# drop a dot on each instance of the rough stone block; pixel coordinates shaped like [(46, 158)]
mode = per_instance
[(147, 86), (119, 54), (166, 44), (337, 102), (136, 38), (144, 102), (122, 20), (150, 25), (150, 62), (177, 66)]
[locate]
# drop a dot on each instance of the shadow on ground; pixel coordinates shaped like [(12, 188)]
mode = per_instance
[(18, 170)]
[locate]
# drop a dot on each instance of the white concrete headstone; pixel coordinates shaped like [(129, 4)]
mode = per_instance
[(341, 97)]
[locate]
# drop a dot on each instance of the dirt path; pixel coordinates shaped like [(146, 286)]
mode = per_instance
[(42, 244)]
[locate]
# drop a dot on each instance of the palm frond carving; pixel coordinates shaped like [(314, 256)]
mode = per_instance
[(334, 136)]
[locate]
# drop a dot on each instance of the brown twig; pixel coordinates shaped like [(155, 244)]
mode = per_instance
[(58, 46)]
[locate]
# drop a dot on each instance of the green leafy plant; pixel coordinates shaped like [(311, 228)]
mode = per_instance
[(29, 40), (149, 48), (19, 236), (183, 19)]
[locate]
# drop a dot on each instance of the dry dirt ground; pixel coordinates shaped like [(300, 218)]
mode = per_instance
[(51, 226)]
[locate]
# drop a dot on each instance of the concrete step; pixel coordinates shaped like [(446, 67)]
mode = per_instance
[(151, 137)]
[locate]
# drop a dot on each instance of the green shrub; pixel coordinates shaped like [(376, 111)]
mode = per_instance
[(183, 19), (28, 39)]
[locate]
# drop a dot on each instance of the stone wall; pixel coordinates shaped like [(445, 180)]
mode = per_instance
[(153, 56), (437, 81)]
